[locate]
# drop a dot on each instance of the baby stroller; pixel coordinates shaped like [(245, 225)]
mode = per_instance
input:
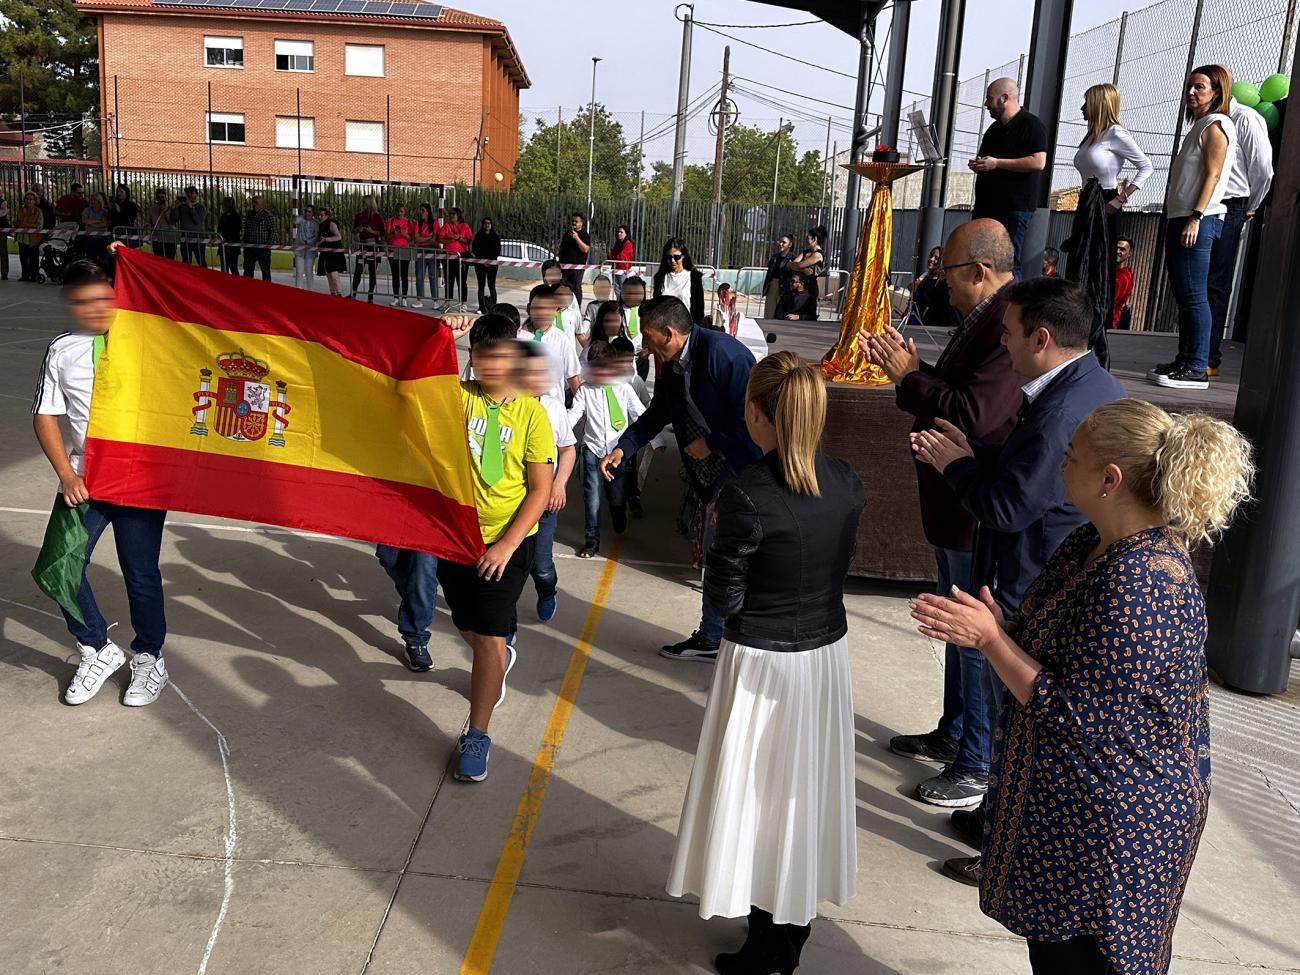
[(57, 251)]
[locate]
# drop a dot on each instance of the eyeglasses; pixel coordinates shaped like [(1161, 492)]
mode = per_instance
[(952, 267), (674, 257)]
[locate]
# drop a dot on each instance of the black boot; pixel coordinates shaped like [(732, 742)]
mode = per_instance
[(798, 935), (766, 950)]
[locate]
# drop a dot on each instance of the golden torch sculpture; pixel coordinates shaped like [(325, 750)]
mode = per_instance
[(866, 302)]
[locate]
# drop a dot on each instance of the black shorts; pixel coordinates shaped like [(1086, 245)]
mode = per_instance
[(481, 606)]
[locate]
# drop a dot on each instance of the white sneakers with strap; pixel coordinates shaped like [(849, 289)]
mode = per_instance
[(148, 678), (95, 668)]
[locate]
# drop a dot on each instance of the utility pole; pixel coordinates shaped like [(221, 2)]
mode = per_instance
[(591, 140), (717, 154), (640, 158), (22, 123), (683, 97), (776, 173)]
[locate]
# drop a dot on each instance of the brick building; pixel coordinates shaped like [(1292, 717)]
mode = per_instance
[(348, 89)]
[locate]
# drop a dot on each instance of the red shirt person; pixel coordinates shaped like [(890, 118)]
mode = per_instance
[(1123, 277)]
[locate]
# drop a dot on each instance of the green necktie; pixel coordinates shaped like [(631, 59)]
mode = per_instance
[(537, 335), (559, 320), (632, 322), (97, 346), (491, 466), (616, 418)]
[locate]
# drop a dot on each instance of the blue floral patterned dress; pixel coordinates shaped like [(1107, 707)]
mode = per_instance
[(1101, 782)]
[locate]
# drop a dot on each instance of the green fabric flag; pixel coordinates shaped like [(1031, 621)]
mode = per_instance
[(632, 324), (616, 418), (62, 558), (559, 320), (492, 466)]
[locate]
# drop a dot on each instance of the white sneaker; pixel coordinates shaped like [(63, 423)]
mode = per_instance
[(96, 667), (148, 678), (511, 657), (417, 303), (397, 302)]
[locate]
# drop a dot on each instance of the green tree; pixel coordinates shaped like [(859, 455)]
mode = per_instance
[(749, 158), (53, 51), (614, 165)]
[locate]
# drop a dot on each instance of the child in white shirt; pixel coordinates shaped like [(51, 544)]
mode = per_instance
[(602, 290), (630, 301), (543, 326), (569, 316)]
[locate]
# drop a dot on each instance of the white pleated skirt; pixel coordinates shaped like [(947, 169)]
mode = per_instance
[(770, 814)]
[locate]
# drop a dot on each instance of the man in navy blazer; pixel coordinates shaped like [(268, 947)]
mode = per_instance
[(1016, 491), (701, 388)]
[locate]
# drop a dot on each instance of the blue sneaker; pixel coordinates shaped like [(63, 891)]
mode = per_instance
[(473, 747), (511, 657), (546, 608), (417, 658)]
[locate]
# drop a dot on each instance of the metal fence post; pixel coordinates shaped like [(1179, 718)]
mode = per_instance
[(1288, 31), (1119, 47)]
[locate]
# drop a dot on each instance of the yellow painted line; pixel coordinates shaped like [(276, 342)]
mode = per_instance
[(501, 891)]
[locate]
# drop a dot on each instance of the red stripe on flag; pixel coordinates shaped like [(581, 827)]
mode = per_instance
[(397, 343), (347, 505)]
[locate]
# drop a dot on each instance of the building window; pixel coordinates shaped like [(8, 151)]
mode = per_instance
[(295, 56), (364, 60), (365, 136), (225, 127), (286, 132), (223, 52)]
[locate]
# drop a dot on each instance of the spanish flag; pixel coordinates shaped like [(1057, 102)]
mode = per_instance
[(227, 396)]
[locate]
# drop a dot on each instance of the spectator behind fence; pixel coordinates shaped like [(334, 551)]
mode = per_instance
[(777, 280), (799, 304), (399, 230), (124, 215), (574, 247), (1051, 256), (426, 239), (70, 205), (456, 238), (931, 306), (811, 261), (230, 230), (1249, 180), (678, 277), (306, 236), (162, 225), (259, 235), (1012, 155), (29, 221), (193, 225), (486, 247), (46, 207), (332, 261), (94, 219), (1194, 218), (621, 256), (368, 228), (1103, 765), (1123, 282)]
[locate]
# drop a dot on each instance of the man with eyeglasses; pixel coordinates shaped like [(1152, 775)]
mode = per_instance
[(972, 386)]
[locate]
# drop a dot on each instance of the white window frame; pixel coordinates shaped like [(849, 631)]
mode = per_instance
[(350, 146), (352, 55), (222, 42), (290, 140), (295, 51), (225, 118)]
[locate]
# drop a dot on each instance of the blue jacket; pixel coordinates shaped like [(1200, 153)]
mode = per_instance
[(720, 367), (1016, 491)]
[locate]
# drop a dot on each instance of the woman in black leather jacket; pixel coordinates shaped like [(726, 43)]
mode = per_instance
[(769, 824)]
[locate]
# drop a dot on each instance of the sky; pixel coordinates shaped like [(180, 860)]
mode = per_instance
[(641, 47)]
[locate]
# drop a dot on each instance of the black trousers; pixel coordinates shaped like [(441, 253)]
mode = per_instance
[(367, 257), (259, 256), (487, 282), (575, 282), (400, 268), (29, 261), (4, 257), (1076, 956), (230, 258)]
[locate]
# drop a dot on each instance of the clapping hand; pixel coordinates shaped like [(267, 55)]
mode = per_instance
[(940, 447), (960, 619), (895, 356)]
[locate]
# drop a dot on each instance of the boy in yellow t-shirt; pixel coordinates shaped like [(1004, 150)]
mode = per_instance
[(513, 453)]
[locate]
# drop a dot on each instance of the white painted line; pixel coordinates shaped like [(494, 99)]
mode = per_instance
[(231, 833)]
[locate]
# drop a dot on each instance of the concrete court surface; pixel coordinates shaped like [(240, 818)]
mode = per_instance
[(286, 806)]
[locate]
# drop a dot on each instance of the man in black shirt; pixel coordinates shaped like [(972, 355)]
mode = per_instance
[(1012, 154), (573, 250)]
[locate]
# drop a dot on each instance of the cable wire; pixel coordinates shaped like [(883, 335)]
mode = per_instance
[(780, 54)]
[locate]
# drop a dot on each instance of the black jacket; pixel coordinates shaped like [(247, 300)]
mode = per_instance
[(487, 245), (697, 292), (1090, 261), (778, 562)]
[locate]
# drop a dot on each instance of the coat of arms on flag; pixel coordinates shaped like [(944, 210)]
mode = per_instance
[(242, 401)]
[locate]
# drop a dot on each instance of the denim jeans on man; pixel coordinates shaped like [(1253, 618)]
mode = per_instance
[(711, 624), (595, 487), (415, 574), (1223, 265), (137, 535), (965, 702), (1016, 222), (1189, 272)]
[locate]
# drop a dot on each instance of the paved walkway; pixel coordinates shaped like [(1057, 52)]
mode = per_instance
[(286, 807)]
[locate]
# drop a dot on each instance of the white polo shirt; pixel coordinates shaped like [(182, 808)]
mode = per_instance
[(67, 378), (562, 349)]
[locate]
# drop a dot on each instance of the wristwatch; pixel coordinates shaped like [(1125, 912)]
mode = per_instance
[(1198, 214)]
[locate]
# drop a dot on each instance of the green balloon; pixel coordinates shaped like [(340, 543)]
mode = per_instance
[(1270, 113), (1246, 93), (1274, 88)]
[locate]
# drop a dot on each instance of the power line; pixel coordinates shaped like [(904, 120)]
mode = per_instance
[(796, 94), (779, 54), (797, 23)]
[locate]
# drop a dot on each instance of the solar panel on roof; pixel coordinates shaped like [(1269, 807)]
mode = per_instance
[(325, 6), (275, 4), (299, 5), (404, 9), (352, 6)]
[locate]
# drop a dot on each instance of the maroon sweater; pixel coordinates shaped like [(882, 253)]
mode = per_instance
[(973, 387)]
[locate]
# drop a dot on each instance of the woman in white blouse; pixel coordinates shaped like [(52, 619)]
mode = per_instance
[(1101, 157), (678, 276)]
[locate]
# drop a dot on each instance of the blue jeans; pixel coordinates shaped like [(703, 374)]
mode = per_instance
[(415, 574), (423, 266), (1189, 272), (594, 486), (137, 535), (965, 704), (1016, 222), (545, 577), (1223, 262)]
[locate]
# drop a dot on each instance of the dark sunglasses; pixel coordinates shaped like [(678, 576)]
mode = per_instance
[(674, 257)]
